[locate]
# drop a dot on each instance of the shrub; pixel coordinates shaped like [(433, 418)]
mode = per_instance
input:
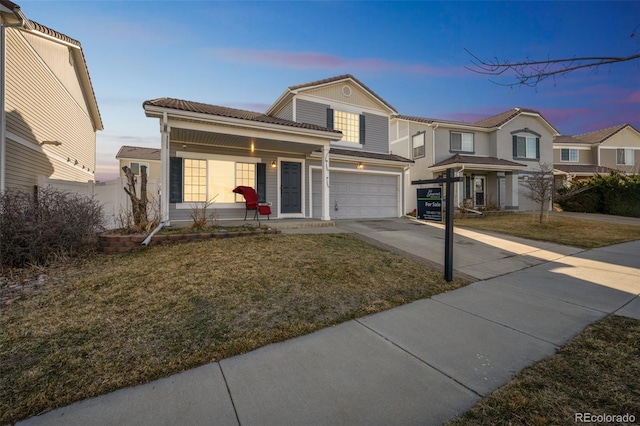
[(37, 228), (616, 194)]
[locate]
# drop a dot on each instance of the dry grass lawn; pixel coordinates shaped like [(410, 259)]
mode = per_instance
[(116, 321), (581, 233), (597, 372)]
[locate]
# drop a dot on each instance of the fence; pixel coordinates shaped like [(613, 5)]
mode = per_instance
[(116, 205)]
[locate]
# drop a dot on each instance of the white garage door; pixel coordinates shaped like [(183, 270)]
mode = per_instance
[(358, 195)]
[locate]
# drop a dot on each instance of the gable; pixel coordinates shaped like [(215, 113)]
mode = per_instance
[(59, 60), (346, 92), (625, 138)]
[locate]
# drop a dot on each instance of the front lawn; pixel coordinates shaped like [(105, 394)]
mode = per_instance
[(581, 233), (121, 320)]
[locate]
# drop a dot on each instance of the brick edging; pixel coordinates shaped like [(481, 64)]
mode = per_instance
[(110, 243)]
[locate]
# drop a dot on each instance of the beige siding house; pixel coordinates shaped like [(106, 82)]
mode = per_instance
[(134, 157), (493, 156), (598, 152), (50, 113)]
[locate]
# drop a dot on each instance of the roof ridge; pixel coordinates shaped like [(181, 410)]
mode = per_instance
[(601, 130)]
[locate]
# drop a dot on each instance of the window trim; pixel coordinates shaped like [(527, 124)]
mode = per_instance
[(422, 133), (183, 155), (473, 142), (525, 158), (626, 151), (569, 151)]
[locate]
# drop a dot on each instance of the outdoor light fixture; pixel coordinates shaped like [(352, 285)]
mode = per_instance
[(253, 147), (56, 143), (273, 164), (360, 166)]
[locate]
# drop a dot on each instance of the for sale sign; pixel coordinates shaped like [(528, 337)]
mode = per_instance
[(430, 204)]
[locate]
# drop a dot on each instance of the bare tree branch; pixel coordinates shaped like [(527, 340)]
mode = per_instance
[(531, 72)]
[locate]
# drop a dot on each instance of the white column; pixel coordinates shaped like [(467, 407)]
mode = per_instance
[(513, 189), (3, 119), (325, 184), (165, 130)]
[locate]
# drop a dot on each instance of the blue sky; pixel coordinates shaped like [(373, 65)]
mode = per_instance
[(245, 54)]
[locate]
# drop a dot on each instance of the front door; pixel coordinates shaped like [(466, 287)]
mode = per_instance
[(478, 189), (290, 187)]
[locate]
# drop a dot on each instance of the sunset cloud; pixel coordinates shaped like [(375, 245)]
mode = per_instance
[(317, 60)]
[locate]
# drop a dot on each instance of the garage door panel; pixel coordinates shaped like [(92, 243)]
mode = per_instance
[(361, 195)]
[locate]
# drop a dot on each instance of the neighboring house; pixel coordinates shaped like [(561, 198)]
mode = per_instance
[(320, 151), (494, 156), (49, 110), (599, 152), (134, 157)]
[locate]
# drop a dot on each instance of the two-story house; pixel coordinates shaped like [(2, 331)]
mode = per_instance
[(49, 110), (599, 152), (493, 156), (320, 151)]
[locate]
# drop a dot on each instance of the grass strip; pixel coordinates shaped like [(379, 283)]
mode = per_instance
[(596, 373), (567, 231)]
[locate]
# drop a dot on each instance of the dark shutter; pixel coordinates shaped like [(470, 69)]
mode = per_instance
[(175, 180), (329, 118), (538, 148), (362, 129), (261, 182), (515, 146)]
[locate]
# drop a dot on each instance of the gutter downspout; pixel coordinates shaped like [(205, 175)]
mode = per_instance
[(23, 22)]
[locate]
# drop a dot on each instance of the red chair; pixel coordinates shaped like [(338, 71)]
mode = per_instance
[(251, 202)]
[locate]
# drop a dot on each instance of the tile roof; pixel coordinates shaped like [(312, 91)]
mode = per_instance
[(432, 120), (471, 159), (369, 155), (582, 168), (592, 138), (340, 78), (221, 111), (139, 153)]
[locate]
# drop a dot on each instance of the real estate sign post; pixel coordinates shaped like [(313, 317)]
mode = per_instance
[(430, 208)]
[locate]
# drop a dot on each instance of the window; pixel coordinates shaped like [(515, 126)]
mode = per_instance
[(349, 124), (461, 142), (135, 168), (245, 176), (195, 180), (526, 147), (569, 154), (214, 180), (624, 157), (417, 141)]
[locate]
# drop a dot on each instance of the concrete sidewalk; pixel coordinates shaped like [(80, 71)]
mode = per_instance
[(421, 363)]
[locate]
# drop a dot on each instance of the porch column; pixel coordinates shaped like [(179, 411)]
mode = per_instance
[(165, 130), (512, 190), (325, 184)]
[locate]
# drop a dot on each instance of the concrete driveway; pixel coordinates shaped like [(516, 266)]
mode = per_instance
[(476, 254)]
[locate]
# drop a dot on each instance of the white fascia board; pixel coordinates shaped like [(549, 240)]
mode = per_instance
[(350, 159), (230, 123), (569, 146), (471, 166), (278, 103)]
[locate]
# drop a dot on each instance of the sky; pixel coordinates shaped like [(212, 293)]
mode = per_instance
[(244, 54)]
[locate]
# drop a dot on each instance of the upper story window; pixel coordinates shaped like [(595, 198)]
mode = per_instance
[(569, 154), (624, 157), (461, 142), (136, 168), (417, 142), (526, 147), (350, 124)]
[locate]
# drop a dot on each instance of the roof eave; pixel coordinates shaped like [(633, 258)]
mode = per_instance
[(154, 111), (479, 166)]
